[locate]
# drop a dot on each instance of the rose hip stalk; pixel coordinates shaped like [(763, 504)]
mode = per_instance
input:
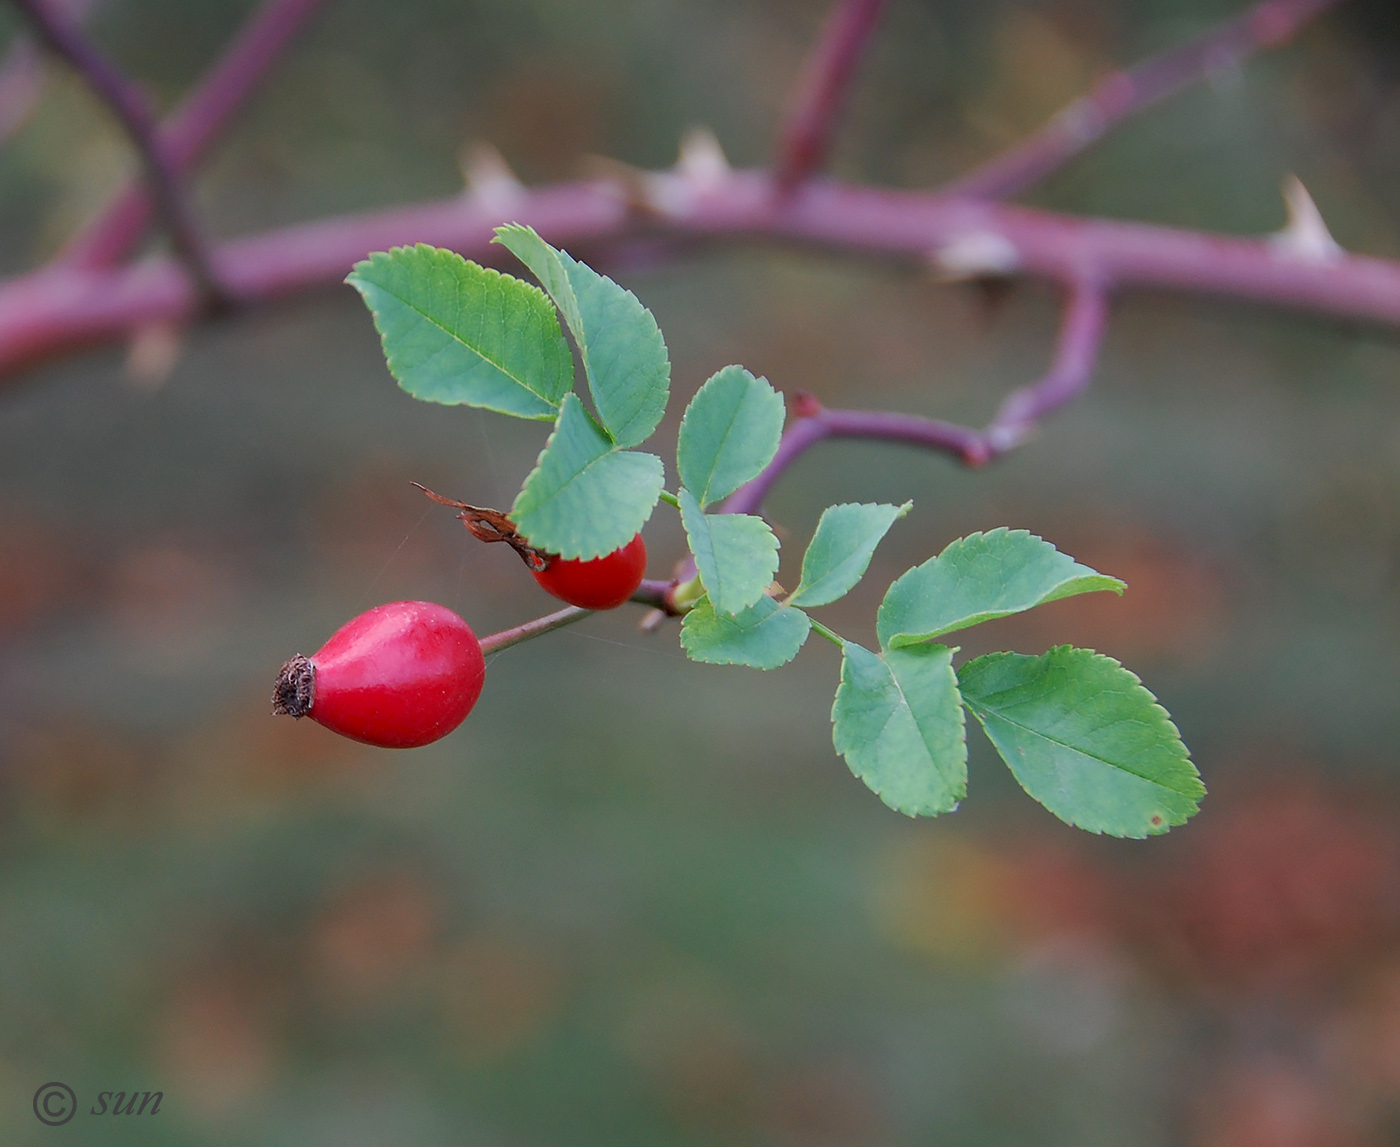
[(402, 675)]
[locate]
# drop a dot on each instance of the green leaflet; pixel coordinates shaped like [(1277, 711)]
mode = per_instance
[(763, 636), (730, 432), (1085, 739), (978, 578), (457, 333), (624, 355), (898, 722), (585, 497), (736, 554), (841, 549)]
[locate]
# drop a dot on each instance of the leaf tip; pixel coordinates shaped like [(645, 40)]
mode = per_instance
[(512, 228)]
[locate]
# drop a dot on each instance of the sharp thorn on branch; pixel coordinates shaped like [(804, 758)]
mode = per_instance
[(1305, 236), (976, 255), (702, 160), (153, 354), (490, 181)]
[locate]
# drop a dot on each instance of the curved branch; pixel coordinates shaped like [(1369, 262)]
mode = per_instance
[(815, 423), (1076, 355), (58, 308), (79, 300), (810, 125), (1125, 93), (61, 32), (198, 121), (22, 75), (1076, 352)]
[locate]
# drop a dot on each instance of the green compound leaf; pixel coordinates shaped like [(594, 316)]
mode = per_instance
[(1085, 739), (898, 721), (624, 355), (978, 578), (457, 333), (729, 433), (763, 636), (841, 549), (585, 497), (735, 554)]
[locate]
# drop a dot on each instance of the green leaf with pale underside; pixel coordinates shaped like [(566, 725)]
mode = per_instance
[(585, 497), (898, 721), (763, 636), (624, 355), (1085, 738), (729, 433), (457, 333), (735, 554), (979, 578), (841, 549)]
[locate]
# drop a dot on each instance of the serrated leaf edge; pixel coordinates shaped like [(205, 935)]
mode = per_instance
[(609, 452), (705, 498), (900, 512), (1185, 754), (744, 664), (566, 263), (895, 642), (961, 792), (683, 493), (355, 278)]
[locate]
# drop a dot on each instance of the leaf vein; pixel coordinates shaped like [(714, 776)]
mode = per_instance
[(522, 383), (1082, 752)]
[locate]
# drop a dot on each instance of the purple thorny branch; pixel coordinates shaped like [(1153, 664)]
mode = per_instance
[(169, 149), (1085, 315), (89, 294), (61, 31)]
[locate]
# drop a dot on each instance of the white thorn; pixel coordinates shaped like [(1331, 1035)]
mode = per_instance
[(153, 353), (1306, 236), (702, 159), (976, 255), (490, 180), (701, 169), (1083, 120)]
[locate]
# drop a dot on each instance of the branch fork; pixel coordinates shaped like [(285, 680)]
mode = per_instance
[(87, 294)]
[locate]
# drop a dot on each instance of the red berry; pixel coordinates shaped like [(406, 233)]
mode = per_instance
[(402, 675), (599, 583)]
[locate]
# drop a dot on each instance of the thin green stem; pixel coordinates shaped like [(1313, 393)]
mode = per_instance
[(670, 499), (495, 642), (832, 636)]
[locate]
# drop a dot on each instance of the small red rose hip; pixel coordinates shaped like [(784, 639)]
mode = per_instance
[(402, 675), (599, 583)]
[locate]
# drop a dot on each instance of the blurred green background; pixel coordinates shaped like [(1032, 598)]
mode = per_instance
[(635, 900)]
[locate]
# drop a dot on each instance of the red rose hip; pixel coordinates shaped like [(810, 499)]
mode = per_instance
[(402, 675), (599, 583)]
